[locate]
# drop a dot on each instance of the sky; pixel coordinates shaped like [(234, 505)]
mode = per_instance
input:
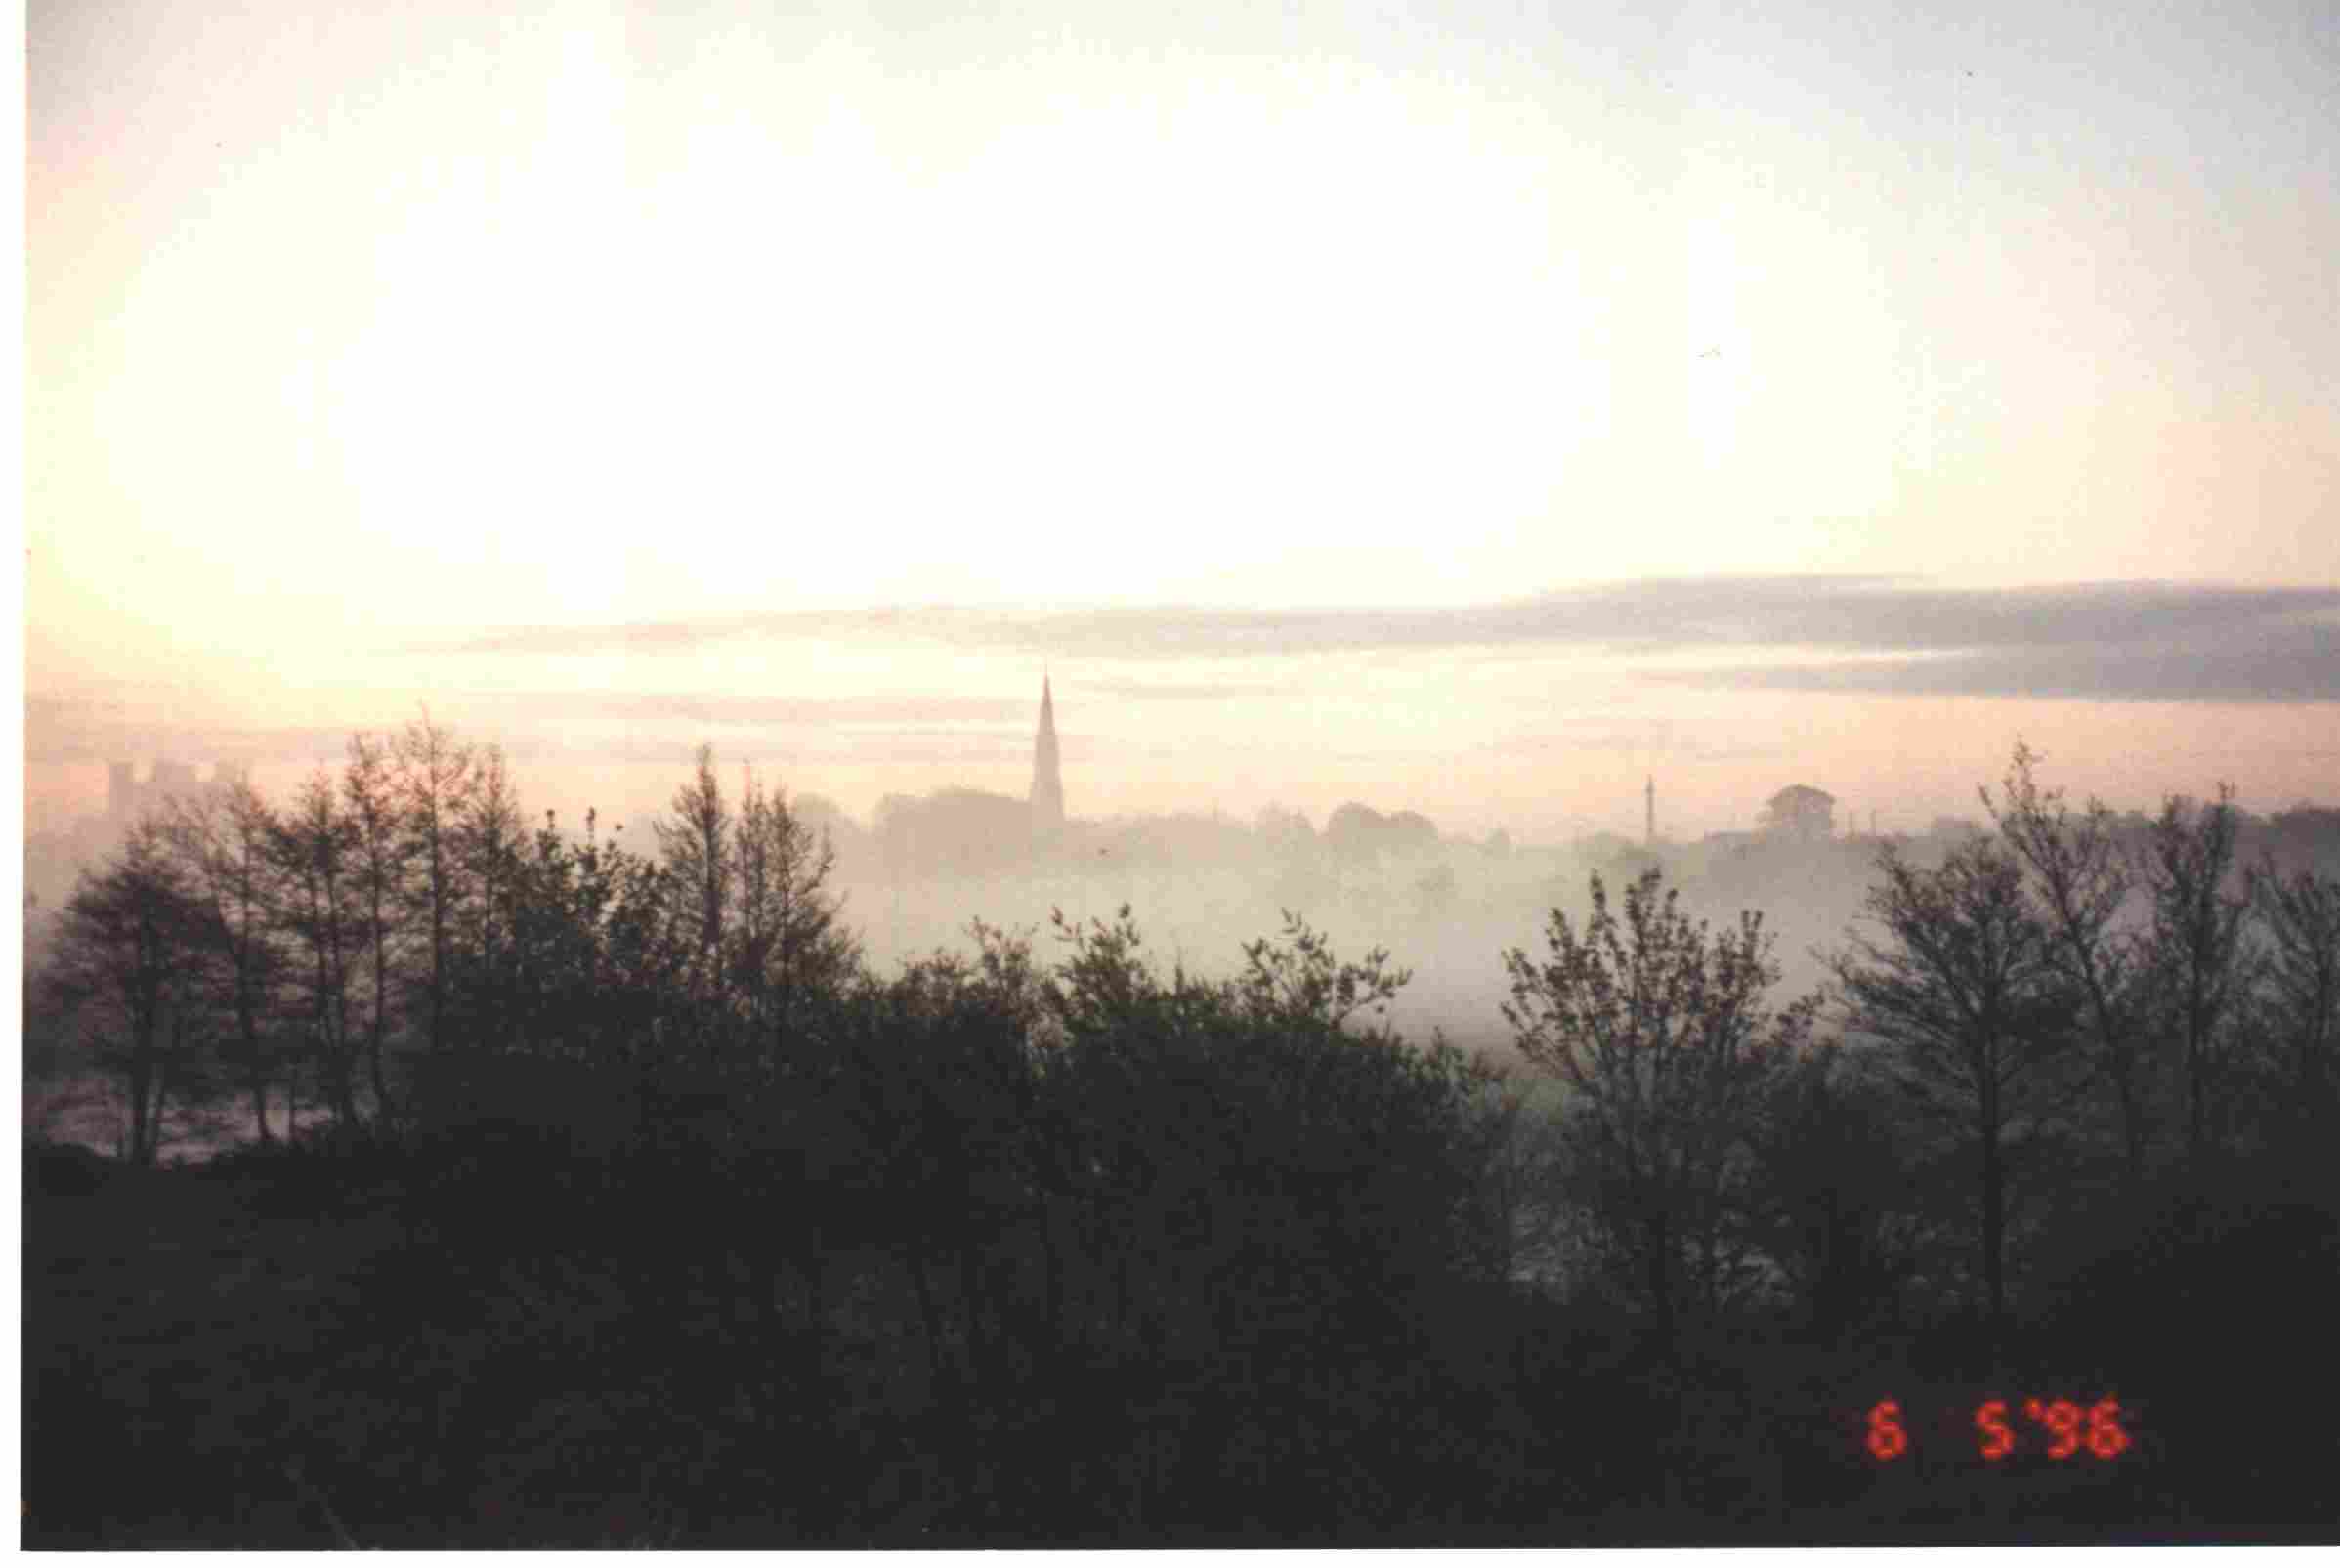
[(1471, 409)]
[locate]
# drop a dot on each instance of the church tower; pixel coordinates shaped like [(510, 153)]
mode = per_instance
[(1047, 777)]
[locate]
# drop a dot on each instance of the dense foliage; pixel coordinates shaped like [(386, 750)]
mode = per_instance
[(598, 1197)]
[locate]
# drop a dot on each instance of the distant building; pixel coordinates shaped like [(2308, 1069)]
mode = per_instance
[(1801, 813), (127, 799), (973, 833), (953, 833), (1047, 773), (1357, 832)]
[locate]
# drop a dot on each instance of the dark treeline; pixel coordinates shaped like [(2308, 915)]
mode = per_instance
[(580, 1194)]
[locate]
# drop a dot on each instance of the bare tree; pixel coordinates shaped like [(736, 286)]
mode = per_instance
[(791, 944), (1661, 1032), (489, 839), (222, 840), (696, 845), (383, 864), (315, 848), (2195, 958), (1964, 998), (122, 961), (2300, 987), (435, 783), (1844, 1223), (2082, 881)]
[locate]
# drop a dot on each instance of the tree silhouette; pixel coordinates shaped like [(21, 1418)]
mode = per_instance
[(1964, 999), (489, 833), (315, 848), (2298, 1033), (124, 960), (2195, 963), (1661, 1031), (1834, 1201), (762, 1247), (2082, 881), (790, 949), (222, 841), (434, 782), (696, 845), (383, 864)]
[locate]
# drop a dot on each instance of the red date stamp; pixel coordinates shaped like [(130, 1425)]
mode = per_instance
[(2058, 1428)]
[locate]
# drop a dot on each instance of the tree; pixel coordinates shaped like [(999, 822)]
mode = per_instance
[(2299, 1030), (2082, 881), (1412, 833), (1521, 1183), (123, 959), (488, 844), (790, 948), (435, 782), (1356, 833), (314, 847), (1124, 1168), (1834, 1195), (383, 862), (1661, 1032), (1284, 833), (2195, 958), (222, 841), (696, 845), (951, 1143), (1296, 982), (1966, 1005)]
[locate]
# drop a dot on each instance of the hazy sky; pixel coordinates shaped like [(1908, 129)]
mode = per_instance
[(1454, 407)]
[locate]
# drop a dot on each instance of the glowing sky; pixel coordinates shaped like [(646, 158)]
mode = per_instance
[(358, 339)]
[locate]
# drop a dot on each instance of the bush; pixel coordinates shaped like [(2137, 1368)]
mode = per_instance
[(65, 1169)]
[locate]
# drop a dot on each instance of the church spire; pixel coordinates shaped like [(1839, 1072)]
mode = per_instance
[(1048, 776)]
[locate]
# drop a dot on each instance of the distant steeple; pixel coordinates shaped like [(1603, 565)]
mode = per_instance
[(1048, 774), (1649, 812)]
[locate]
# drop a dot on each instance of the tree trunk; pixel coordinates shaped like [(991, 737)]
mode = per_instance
[(978, 1338), (2133, 1127), (1994, 1227), (140, 1077), (1661, 1292), (384, 1114), (915, 1264), (1052, 1278), (815, 1269), (258, 1083)]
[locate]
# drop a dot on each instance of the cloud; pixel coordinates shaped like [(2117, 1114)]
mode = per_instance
[(1833, 613), (939, 623), (1181, 691), (2273, 663), (1561, 743), (2117, 640), (80, 730), (564, 726), (726, 710), (934, 709)]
